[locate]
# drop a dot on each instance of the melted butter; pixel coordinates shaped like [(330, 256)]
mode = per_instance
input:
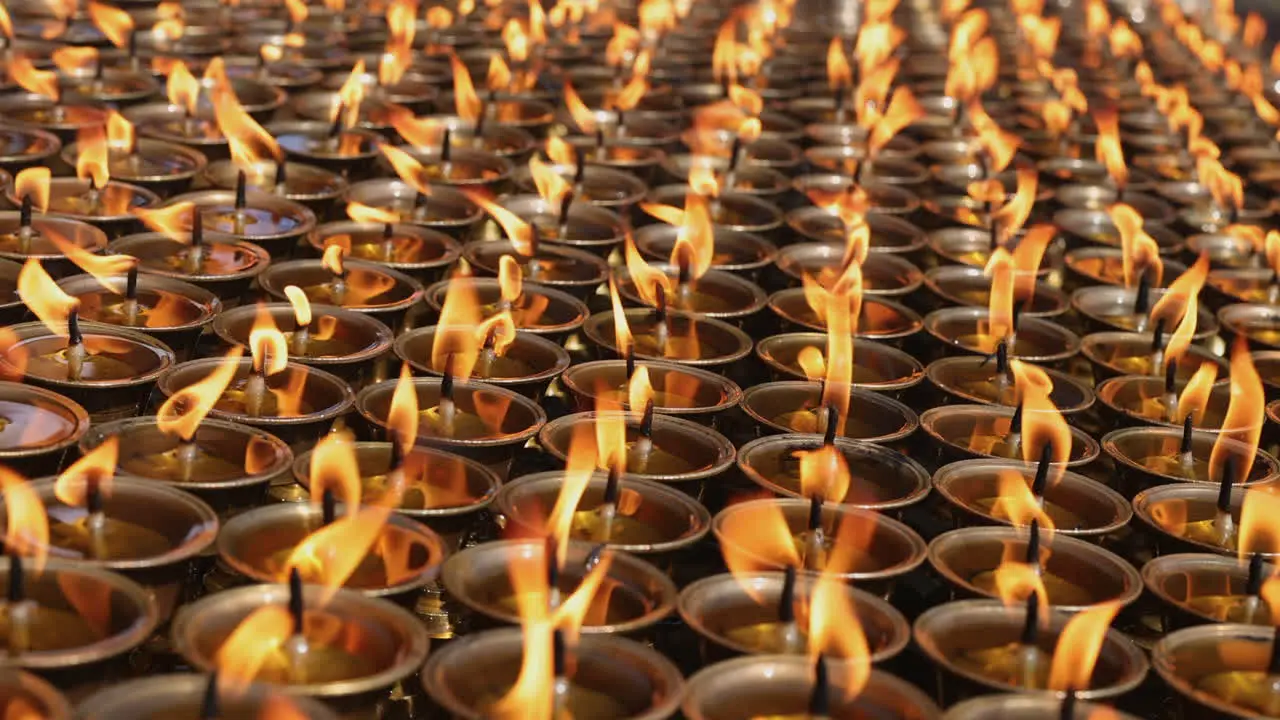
[(1060, 591), (1012, 664), (25, 425), (1254, 690), (121, 540), (204, 466), (1232, 608), (1063, 519), (51, 630)]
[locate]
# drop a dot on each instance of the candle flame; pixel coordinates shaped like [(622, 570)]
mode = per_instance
[(1042, 423), (1178, 307), (98, 466), (439, 18), (1016, 579), (173, 221), (1015, 212), (1246, 411), (1078, 647), (621, 328), (498, 76), (6, 23), (903, 110), (92, 156), (581, 461), (249, 142), (362, 213), (34, 182), (40, 82), (257, 648), (1194, 398), (114, 22), (550, 185), (101, 267), (403, 415), (463, 333), (407, 166), (532, 696), (1017, 504), (756, 537), (646, 278), (350, 97), (1138, 251), (267, 345), (120, 133), (836, 632), (182, 87), (1124, 42), (398, 55), (331, 555), (998, 146), (839, 308), (26, 522), (824, 473), (466, 102), (622, 45), (1225, 186), (578, 110), (71, 59), (424, 132), (182, 413), (1000, 270), (1109, 150), (1257, 530), (694, 248), (519, 232), (42, 296), (560, 151)]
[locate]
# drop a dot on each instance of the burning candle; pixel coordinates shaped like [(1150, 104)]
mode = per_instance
[(41, 105), (361, 286), (359, 546), (377, 235), (156, 165), (284, 635)]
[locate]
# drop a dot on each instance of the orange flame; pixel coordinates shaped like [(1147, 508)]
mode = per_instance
[(1194, 398), (362, 213), (1001, 271), (71, 59), (463, 335), (578, 110), (249, 142), (182, 413), (1139, 251), (903, 110), (1016, 503), (1257, 529), (34, 182), (6, 23), (824, 473), (1244, 418), (91, 156), (99, 266), (173, 221), (398, 55), (551, 187), (694, 247), (407, 167), (26, 523), (44, 298), (621, 328), (1225, 186), (1042, 425), (1015, 212), (561, 152), (351, 95), (115, 23), (1109, 150), (519, 232), (1179, 305), (332, 554), (465, 100), (97, 467), (267, 345), (40, 82), (120, 133), (182, 88), (835, 632), (1078, 647), (419, 132), (498, 77), (403, 415)]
